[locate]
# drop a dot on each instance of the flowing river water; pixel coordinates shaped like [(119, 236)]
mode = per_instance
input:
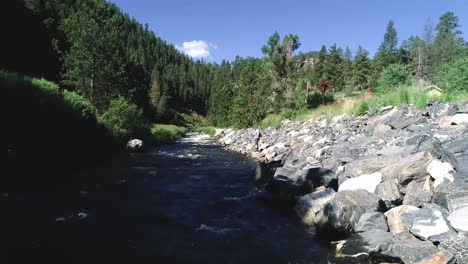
[(190, 202)]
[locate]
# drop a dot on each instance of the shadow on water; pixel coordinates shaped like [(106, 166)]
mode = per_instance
[(190, 202)]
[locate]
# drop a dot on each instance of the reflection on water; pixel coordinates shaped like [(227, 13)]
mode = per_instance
[(191, 202)]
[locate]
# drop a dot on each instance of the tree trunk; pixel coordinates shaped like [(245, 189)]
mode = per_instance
[(307, 95)]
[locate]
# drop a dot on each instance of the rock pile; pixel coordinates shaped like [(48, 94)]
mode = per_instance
[(393, 183)]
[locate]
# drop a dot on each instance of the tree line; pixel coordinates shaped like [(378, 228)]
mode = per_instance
[(93, 48)]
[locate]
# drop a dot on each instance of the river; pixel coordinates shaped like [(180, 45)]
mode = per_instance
[(190, 202)]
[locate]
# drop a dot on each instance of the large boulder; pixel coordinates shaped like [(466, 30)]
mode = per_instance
[(389, 192), (427, 224), (452, 196), (412, 167), (438, 258), (363, 247), (135, 145), (342, 213), (372, 221), (310, 204), (365, 182), (460, 118), (264, 172), (369, 165), (395, 222), (410, 251)]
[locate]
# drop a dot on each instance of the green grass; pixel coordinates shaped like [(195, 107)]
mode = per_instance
[(166, 134), (360, 103), (205, 130)]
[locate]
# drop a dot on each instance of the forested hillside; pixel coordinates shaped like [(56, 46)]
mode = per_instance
[(93, 48)]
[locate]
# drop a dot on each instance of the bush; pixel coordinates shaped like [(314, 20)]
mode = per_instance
[(272, 120), (125, 120), (361, 108), (453, 76), (314, 100), (391, 77), (166, 134)]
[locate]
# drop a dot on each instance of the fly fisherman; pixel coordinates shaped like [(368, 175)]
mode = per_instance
[(258, 135)]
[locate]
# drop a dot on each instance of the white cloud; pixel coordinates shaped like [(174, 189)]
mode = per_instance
[(195, 48)]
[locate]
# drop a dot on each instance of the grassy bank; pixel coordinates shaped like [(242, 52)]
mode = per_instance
[(166, 134), (361, 103), (205, 130), (46, 133)]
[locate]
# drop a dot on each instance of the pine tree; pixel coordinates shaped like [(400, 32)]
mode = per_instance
[(361, 68), (333, 68), (387, 53), (319, 70), (447, 43)]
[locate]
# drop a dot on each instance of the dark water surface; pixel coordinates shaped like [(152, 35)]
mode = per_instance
[(190, 202)]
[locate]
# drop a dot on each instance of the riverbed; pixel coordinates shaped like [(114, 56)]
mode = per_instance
[(190, 202)]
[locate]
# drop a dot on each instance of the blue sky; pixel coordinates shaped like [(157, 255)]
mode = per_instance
[(219, 29)]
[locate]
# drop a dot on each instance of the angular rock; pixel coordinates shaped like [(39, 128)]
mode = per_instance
[(416, 195), (395, 222), (424, 142), (457, 246), (438, 258), (381, 130), (320, 177), (427, 224), (411, 251), (342, 213), (369, 165), (310, 204), (389, 192), (365, 182), (452, 196), (460, 118), (372, 221), (364, 247), (264, 172), (400, 123), (459, 219), (440, 172), (412, 167)]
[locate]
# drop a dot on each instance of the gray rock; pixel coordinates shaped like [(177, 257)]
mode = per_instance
[(364, 247), (310, 204), (320, 177), (342, 213), (424, 142), (459, 219), (416, 195), (365, 182), (395, 222), (412, 167), (372, 221), (264, 172), (410, 251), (457, 246), (452, 196), (438, 110), (135, 145), (427, 224), (369, 165), (389, 192), (401, 123), (434, 206)]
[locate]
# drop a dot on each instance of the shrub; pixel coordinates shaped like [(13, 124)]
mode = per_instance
[(124, 120), (289, 114), (453, 76), (314, 100), (165, 134), (272, 120), (361, 108), (391, 77)]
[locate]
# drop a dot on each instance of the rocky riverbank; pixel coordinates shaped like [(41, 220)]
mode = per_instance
[(389, 186)]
